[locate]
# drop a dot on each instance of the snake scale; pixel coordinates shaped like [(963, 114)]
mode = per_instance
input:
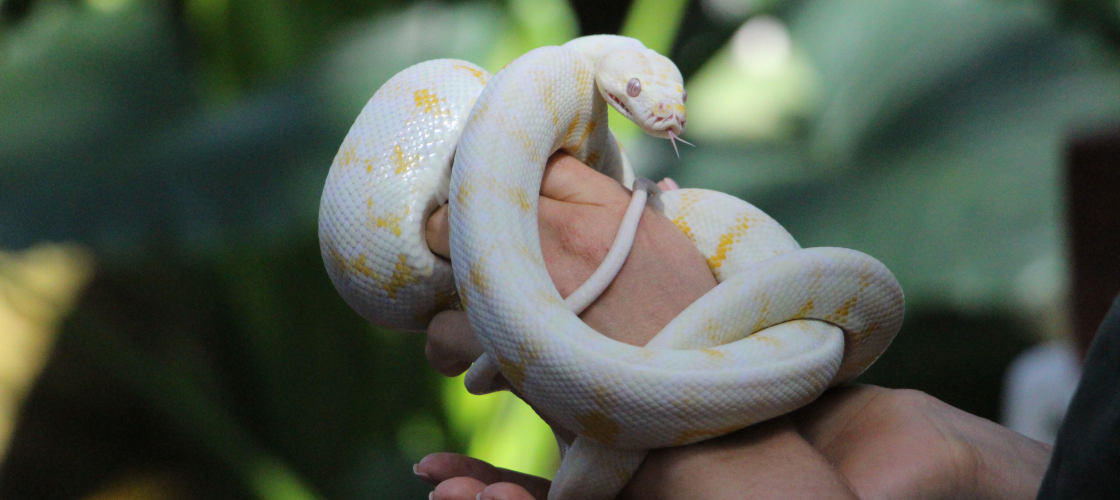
[(783, 324)]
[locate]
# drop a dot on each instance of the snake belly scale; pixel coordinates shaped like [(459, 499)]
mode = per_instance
[(782, 326)]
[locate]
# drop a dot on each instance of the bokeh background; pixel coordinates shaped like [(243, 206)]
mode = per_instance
[(167, 329)]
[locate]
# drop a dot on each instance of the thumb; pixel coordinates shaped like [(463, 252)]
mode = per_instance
[(569, 180)]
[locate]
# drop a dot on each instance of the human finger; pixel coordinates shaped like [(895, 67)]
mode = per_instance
[(469, 488), (507, 491), (458, 488), (451, 346), (438, 467), (569, 180), (438, 233), (667, 184)]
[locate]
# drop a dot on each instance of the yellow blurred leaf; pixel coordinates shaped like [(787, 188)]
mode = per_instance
[(38, 286)]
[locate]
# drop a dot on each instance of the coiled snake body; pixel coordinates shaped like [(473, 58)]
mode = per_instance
[(783, 324)]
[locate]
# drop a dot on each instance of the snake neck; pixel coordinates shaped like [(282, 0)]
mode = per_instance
[(588, 138)]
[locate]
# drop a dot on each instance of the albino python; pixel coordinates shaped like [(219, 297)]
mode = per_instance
[(782, 326)]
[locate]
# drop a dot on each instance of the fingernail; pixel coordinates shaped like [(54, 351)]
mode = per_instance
[(420, 474), (431, 494)]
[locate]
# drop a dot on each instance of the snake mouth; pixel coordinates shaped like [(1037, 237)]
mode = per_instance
[(621, 106), (665, 126), (662, 126)]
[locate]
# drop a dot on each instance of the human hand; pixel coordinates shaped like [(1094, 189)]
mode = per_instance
[(860, 441)]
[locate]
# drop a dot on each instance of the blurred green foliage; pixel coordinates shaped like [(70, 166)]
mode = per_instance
[(186, 143)]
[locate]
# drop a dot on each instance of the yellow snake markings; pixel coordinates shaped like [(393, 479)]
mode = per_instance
[(464, 193), (599, 426), (682, 224), (763, 308), (681, 221), (582, 77), (805, 309), (520, 198), (713, 353), (334, 259), (359, 264), (528, 144), (392, 222), (345, 156), (713, 331), (571, 129), (761, 337), (513, 371), (427, 101), (478, 278), (842, 312), (726, 240), (402, 276), (402, 163), (593, 159), (586, 133), (476, 72)]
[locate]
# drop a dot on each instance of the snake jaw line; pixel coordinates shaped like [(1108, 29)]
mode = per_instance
[(621, 105)]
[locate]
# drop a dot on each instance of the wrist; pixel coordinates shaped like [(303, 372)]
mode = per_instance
[(1005, 463), (976, 457)]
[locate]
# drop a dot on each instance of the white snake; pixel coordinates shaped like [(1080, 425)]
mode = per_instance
[(783, 324)]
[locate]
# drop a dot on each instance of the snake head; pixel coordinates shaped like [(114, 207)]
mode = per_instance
[(645, 87)]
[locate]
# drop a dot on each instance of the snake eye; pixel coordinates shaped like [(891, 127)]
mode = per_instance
[(684, 96), (634, 87)]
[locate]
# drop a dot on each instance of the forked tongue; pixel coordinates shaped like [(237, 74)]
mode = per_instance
[(673, 138)]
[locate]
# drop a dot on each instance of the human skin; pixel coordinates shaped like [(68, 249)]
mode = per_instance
[(859, 441)]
